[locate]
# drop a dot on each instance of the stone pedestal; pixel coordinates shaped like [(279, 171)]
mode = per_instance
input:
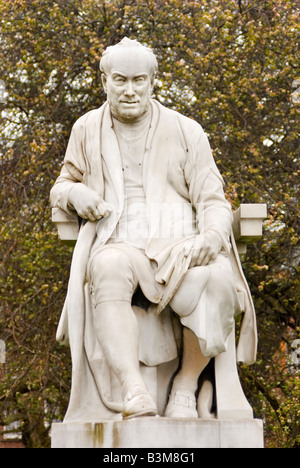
[(159, 432)]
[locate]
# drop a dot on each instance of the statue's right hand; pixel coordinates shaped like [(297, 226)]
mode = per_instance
[(87, 203)]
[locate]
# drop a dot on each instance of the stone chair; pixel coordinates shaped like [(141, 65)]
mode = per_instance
[(221, 396)]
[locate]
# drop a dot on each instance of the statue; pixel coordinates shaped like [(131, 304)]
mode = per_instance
[(154, 284)]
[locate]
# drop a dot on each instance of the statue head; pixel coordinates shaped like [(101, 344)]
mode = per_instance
[(128, 71)]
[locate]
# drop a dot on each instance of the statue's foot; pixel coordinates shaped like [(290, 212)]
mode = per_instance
[(181, 405), (138, 403)]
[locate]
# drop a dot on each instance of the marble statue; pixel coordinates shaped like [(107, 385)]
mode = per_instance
[(154, 285)]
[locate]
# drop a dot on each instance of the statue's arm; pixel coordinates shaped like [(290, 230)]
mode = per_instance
[(213, 212), (72, 173), (71, 192)]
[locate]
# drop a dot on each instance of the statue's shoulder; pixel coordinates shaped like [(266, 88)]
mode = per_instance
[(89, 118), (187, 124)]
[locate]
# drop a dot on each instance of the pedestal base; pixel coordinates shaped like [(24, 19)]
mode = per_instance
[(159, 432)]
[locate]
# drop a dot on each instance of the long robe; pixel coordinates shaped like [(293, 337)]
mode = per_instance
[(182, 185)]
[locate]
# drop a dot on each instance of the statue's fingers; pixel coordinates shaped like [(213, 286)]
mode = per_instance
[(104, 208)]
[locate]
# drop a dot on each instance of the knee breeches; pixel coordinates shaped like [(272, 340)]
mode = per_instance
[(112, 276)]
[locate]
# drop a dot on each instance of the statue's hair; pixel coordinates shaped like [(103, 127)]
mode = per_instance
[(127, 43)]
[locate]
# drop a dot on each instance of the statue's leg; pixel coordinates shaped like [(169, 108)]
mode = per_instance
[(206, 302), (116, 326), (182, 401)]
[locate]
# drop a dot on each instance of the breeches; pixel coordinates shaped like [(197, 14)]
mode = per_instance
[(112, 276), (206, 301), (115, 271)]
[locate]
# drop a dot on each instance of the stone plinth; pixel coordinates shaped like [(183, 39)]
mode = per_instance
[(159, 432)]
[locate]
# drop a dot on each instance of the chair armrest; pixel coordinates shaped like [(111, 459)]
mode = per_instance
[(67, 225), (247, 224)]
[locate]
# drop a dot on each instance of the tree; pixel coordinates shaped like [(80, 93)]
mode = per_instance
[(230, 65)]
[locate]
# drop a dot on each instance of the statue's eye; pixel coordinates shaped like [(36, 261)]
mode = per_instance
[(119, 79)]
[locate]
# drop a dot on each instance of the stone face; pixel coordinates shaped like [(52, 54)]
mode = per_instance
[(160, 433)]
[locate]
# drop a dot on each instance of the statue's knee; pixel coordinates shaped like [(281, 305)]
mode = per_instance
[(216, 276), (188, 294), (221, 274), (111, 277), (112, 262)]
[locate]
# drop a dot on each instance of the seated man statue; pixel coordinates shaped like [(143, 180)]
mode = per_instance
[(152, 295)]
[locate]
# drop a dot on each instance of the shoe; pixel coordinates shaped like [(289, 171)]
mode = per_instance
[(181, 405), (137, 403)]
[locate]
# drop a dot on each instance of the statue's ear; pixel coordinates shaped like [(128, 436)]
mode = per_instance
[(104, 81), (152, 82)]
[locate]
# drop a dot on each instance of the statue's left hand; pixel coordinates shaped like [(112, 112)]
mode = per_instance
[(205, 248)]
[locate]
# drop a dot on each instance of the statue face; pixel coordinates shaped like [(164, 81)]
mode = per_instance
[(128, 84)]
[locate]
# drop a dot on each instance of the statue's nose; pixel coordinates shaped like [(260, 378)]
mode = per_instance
[(129, 90)]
